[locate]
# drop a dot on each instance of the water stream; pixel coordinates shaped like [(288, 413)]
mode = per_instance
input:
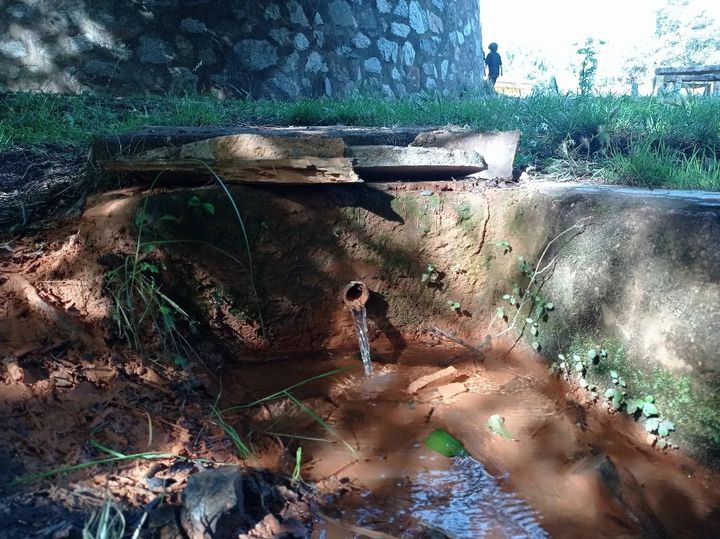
[(359, 315)]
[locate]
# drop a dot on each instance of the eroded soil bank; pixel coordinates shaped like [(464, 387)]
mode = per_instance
[(71, 380)]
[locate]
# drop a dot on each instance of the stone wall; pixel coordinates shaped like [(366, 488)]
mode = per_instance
[(263, 48)]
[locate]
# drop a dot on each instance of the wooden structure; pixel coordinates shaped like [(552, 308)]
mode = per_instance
[(701, 80)]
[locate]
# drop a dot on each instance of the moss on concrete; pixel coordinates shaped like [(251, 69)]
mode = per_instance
[(693, 408)]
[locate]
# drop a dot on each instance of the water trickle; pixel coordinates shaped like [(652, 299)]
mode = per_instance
[(359, 315), (467, 502)]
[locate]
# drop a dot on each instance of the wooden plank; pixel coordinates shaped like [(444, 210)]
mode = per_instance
[(708, 77), (306, 170), (687, 70), (249, 158)]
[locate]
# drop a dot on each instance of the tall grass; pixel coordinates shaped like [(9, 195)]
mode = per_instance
[(546, 121)]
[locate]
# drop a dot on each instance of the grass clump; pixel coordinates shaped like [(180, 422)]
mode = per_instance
[(607, 138)]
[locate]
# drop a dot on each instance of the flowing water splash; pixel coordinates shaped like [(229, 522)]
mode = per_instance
[(466, 502), (359, 315)]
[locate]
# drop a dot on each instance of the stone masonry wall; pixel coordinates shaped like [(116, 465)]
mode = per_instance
[(276, 49)]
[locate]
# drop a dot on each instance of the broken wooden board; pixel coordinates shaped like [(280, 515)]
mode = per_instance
[(498, 149), (413, 163), (123, 145), (248, 158)]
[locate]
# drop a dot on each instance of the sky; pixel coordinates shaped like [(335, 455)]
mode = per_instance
[(555, 27)]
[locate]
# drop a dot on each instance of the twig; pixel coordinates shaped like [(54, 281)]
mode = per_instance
[(458, 340), (526, 295)]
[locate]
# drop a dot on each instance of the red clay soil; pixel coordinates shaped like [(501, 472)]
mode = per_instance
[(69, 386)]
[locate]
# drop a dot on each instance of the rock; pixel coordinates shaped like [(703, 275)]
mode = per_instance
[(15, 372), (399, 29), (402, 9), (301, 42), (418, 17), (435, 23), (13, 49), (272, 12), (449, 391), (155, 51), (315, 63), (408, 54), (256, 55), (341, 13), (446, 375), (192, 26), (372, 65), (383, 6), (385, 163), (213, 503), (297, 14), (388, 49), (361, 41)]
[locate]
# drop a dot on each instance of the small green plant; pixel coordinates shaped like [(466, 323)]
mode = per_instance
[(588, 65), (454, 305), (431, 275), (505, 245), (195, 202)]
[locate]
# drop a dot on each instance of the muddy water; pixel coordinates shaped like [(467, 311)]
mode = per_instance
[(570, 470)]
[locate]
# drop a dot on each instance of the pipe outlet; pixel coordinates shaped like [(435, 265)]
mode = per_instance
[(355, 295)]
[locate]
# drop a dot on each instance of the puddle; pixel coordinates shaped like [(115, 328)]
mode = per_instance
[(572, 469)]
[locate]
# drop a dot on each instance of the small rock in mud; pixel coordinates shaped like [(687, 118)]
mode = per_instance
[(451, 390), (235, 502), (15, 373), (446, 375)]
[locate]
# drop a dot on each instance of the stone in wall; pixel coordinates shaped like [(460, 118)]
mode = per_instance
[(265, 49)]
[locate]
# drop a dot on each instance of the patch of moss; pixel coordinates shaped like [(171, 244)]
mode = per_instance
[(692, 406)]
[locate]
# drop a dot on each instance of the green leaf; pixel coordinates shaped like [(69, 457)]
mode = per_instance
[(649, 398), (652, 424), (668, 425), (442, 442), (661, 444), (591, 355), (603, 354), (613, 374), (610, 393), (148, 247), (535, 345), (147, 266), (584, 383), (662, 430), (549, 306), (579, 367), (168, 218), (497, 425), (561, 357), (649, 409), (621, 381), (529, 320), (500, 312), (506, 297), (425, 277), (533, 330), (194, 202), (632, 406), (209, 208)]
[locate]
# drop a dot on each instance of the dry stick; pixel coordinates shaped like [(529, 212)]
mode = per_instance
[(524, 299), (458, 340)]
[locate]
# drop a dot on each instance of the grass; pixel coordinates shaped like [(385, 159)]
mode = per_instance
[(621, 137)]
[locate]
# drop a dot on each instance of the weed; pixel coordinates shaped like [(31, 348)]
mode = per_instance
[(107, 522), (455, 306), (295, 479)]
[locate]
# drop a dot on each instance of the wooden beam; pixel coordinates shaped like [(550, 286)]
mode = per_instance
[(688, 70), (306, 170)]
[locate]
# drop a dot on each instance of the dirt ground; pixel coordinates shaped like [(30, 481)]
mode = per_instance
[(73, 392)]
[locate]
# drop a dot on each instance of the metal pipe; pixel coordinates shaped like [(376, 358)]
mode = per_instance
[(355, 295)]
